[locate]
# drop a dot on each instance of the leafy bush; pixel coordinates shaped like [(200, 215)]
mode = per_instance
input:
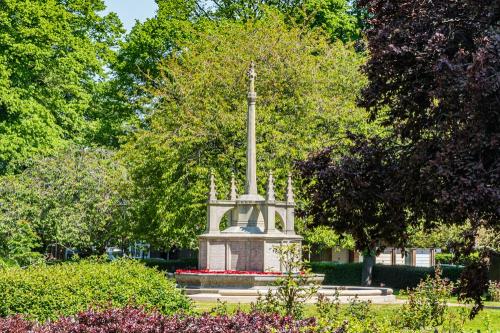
[(357, 316), (444, 258), (448, 259), (47, 292), (493, 291), (293, 288), (339, 274), (426, 306), (140, 321), (171, 265)]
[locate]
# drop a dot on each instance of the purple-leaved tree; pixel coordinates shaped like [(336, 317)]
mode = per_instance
[(434, 84)]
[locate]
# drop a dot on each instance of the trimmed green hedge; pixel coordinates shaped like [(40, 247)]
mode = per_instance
[(397, 277), (403, 277), (170, 265), (339, 274), (48, 292)]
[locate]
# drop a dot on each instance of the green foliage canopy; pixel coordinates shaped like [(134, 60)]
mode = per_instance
[(71, 199), (340, 19), (52, 58), (149, 42), (306, 90)]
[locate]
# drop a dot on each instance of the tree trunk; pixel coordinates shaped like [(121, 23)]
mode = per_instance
[(367, 270)]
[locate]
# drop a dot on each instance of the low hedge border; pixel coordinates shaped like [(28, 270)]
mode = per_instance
[(397, 277), (170, 265), (338, 274), (403, 277)]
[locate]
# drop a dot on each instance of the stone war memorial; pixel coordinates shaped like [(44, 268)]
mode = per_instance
[(247, 244), (240, 262)]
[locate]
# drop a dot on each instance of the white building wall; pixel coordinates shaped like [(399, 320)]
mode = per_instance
[(400, 259), (423, 258), (384, 258)]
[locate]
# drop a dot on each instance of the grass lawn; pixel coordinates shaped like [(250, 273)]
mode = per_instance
[(486, 318), (452, 299)]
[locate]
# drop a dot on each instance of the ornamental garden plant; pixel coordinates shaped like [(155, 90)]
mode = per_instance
[(48, 292), (132, 320)]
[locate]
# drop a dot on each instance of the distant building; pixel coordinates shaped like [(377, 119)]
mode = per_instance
[(390, 256)]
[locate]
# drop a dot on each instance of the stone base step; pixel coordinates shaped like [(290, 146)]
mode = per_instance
[(245, 299), (248, 295)]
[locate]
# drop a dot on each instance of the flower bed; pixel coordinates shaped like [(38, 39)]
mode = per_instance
[(140, 321), (206, 271)]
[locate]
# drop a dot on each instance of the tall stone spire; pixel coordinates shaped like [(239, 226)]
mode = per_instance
[(251, 184)]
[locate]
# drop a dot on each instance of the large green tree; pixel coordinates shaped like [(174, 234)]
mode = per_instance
[(341, 19), (71, 199), (53, 55), (306, 88), (151, 41)]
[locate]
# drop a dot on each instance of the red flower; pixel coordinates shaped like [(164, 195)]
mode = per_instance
[(206, 271)]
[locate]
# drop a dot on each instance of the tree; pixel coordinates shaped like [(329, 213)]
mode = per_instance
[(53, 56), (340, 19), (18, 244), (70, 199), (355, 195), (440, 236), (136, 67), (306, 97), (434, 84), (439, 77), (324, 238)]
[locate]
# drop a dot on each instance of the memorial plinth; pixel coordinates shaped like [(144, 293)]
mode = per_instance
[(233, 280)]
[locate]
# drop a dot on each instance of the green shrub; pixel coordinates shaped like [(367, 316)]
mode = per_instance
[(493, 291), (397, 277), (444, 258), (293, 289), (403, 277), (356, 316), (447, 259), (426, 306), (171, 265), (47, 292), (339, 274)]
